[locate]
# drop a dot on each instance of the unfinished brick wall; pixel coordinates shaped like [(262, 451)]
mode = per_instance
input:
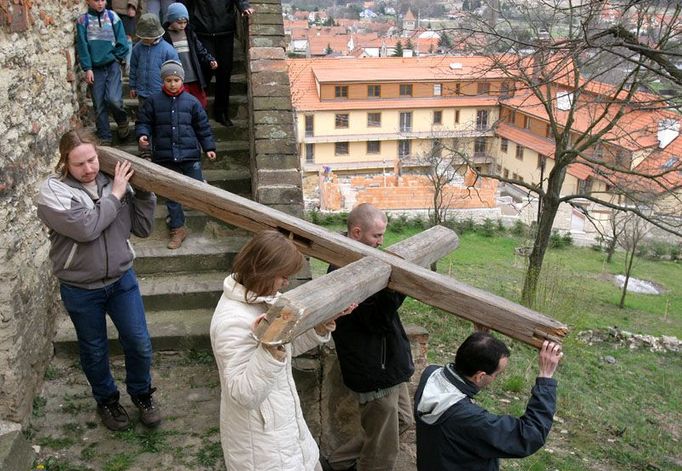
[(404, 192), (37, 104)]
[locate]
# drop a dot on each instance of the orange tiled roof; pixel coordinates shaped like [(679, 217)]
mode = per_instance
[(337, 42), (397, 69), (289, 24)]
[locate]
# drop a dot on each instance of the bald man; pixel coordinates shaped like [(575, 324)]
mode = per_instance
[(376, 363)]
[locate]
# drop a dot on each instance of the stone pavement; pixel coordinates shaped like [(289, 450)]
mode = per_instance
[(67, 433)]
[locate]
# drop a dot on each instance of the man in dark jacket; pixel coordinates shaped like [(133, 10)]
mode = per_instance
[(376, 362), (214, 22), (454, 433)]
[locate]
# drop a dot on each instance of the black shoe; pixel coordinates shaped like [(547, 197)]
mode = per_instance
[(113, 415), (149, 413)]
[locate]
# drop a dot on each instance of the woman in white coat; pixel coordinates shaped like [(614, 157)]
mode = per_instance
[(261, 423)]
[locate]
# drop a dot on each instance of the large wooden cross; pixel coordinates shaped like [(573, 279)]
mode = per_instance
[(365, 270)]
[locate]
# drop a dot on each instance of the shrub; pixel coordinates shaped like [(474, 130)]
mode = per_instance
[(559, 241), (660, 249), (487, 229), (519, 229), (567, 239)]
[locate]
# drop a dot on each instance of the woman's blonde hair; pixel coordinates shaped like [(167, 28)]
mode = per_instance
[(267, 255), (69, 141)]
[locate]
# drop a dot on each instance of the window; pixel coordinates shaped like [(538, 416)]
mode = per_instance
[(373, 120), (585, 186), (437, 149), (504, 144), (526, 122), (598, 152), (482, 120), (547, 130), (310, 153), (309, 125), (515, 176), (622, 158), (542, 161), (341, 120), (406, 121), (519, 152), (456, 116), (341, 91), (341, 148), (505, 90), (505, 173), (437, 117), (405, 90), (373, 147), (458, 89), (480, 146), (437, 89), (511, 117), (404, 148), (374, 91), (483, 88)]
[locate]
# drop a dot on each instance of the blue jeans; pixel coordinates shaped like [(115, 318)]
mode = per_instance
[(107, 93), (123, 302), (190, 169)]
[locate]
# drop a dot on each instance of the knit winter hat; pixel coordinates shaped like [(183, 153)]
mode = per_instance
[(149, 26), (172, 68), (176, 11)]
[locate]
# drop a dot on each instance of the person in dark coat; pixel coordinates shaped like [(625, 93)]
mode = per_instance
[(376, 363), (178, 126), (454, 433), (214, 22), (193, 55)]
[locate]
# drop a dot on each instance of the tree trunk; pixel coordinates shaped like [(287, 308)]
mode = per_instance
[(628, 270), (611, 249), (544, 231)]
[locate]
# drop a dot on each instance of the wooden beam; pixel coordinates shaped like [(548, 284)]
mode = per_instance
[(441, 291), (318, 300), (321, 299)]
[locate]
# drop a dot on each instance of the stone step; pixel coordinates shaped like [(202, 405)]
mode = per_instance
[(169, 330), (199, 253), (237, 109), (238, 132), (230, 155), (237, 85), (181, 291), (15, 451)]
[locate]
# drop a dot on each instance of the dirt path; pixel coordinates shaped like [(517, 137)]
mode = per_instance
[(68, 432)]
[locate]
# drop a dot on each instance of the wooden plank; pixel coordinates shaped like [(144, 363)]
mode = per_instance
[(426, 247), (441, 291), (321, 299), (318, 300)]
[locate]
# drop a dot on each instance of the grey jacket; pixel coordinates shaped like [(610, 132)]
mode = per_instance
[(90, 245)]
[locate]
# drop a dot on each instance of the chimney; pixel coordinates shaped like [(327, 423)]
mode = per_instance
[(668, 130)]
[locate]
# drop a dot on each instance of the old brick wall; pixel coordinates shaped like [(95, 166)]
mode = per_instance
[(405, 192), (37, 103)]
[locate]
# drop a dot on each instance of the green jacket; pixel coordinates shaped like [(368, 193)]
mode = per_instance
[(100, 39)]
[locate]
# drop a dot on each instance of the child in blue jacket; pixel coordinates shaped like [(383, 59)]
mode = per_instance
[(178, 126), (102, 48), (148, 56)]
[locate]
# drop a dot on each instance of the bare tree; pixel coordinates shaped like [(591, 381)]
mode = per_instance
[(635, 230), (557, 54), (445, 164)]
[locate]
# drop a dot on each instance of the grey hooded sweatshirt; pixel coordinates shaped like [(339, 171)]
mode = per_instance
[(90, 246)]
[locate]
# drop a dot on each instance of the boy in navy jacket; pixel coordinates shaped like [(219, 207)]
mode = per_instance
[(178, 126)]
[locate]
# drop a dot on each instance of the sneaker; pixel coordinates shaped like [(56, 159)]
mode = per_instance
[(123, 130), (113, 415), (176, 237), (149, 414)]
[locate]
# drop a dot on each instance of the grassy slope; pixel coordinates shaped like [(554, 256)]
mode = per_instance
[(625, 415)]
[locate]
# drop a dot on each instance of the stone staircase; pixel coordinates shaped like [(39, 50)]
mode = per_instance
[(180, 288)]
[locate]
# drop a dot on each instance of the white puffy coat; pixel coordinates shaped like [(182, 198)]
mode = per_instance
[(261, 423)]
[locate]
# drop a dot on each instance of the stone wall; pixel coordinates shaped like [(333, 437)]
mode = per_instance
[(275, 167), (37, 103)]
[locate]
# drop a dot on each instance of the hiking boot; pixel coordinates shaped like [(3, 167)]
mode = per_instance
[(149, 413), (123, 130), (113, 415), (176, 237)]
